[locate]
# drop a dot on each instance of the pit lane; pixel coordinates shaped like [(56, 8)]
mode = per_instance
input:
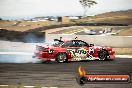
[(62, 75)]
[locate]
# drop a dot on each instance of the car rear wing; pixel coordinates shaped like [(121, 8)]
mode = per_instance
[(39, 48)]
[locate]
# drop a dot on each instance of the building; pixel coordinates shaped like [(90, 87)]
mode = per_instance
[(64, 19)]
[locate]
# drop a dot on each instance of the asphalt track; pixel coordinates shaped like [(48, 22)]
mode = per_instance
[(63, 75)]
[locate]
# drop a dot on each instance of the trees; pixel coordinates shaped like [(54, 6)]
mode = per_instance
[(86, 5)]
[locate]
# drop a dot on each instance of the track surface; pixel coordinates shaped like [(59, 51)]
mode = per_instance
[(63, 75)]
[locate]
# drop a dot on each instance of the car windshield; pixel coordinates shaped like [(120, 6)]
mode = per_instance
[(67, 44), (74, 43), (57, 43)]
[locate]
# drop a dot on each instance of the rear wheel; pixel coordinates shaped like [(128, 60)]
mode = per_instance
[(102, 55), (61, 57)]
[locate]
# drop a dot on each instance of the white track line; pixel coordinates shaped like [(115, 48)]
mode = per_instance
[(17, 53), (28, 86), (49, 87), (3, 85), (123, 56)]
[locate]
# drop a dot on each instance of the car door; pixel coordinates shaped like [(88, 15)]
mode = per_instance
[(78, 50)]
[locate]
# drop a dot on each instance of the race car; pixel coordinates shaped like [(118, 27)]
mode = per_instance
[(73, 50)]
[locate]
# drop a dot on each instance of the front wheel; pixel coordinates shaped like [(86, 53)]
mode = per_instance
[(61, 57), (102, 54)]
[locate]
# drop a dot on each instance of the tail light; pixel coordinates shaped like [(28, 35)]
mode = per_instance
[(40, 48), (45, 49)]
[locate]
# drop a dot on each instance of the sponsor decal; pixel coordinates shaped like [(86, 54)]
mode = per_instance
[(91, 49), (80, 54), (51, 51)]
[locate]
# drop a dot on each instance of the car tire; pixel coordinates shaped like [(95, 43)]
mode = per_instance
[(61, 58), (102, 55)]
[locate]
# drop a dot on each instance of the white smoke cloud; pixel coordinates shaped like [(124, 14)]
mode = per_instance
[(12, 58), (20, 52), (17, 52)]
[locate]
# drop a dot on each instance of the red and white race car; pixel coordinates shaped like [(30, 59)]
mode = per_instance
[(73, 50)]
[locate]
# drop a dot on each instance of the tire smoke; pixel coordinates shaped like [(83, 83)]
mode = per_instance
[(19, 52)]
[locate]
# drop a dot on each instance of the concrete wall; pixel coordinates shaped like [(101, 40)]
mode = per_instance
[(112, 41)]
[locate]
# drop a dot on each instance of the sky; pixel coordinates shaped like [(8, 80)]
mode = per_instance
[(18, 8)]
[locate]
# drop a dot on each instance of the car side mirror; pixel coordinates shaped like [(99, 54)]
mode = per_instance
[(91, 45)]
